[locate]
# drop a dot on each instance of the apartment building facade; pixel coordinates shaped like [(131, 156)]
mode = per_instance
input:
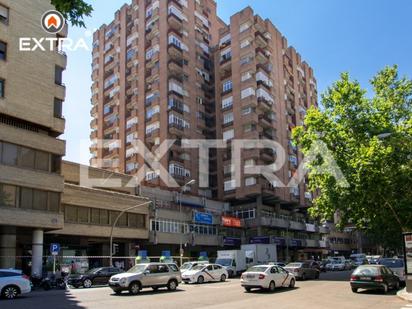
[(263, 89), (31, 98), (153, 81), (173, 70)]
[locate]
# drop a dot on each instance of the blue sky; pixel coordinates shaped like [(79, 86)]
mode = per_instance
[(358, 36)]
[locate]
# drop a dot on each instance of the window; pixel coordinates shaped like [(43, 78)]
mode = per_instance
[(245, 76), (3, 50), (227, 102), (247, 110), (247, 92), (227, 118), (229, 185), (250, 181), (9, 154), (58, 108), (54, 201), (245, 43), (8, 195), (26, 158), (227, 86), (2, 82), (4, 14), (70, 213), (228, 135), (244, 26), (39, 200), (246, 60), (26, 198), (58, 75)]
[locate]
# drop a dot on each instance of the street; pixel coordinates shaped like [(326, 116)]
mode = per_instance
[(330, 291)]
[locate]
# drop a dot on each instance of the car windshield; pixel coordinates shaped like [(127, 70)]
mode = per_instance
[(198, 267), (260, 269), (92, 271), (366, 271), (392, 263), (224, 262), (139, 268), (186, 266), (294, 265)]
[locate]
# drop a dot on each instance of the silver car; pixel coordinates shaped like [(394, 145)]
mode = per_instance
[(149, 275), (303, 270)]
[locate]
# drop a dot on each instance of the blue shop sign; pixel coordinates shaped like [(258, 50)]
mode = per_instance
[(260, 240), (204, 218), (231, 241)]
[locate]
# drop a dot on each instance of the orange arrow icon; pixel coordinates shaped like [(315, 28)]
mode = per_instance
[(52, 22)]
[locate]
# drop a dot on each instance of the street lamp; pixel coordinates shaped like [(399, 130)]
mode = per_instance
[(182, 189), (115, 222)]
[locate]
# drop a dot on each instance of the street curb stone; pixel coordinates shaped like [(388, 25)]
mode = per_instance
[(404, 295)]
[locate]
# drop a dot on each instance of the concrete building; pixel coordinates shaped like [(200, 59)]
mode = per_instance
[(153, 80), (263, 89), (235, 81), (31, 97)]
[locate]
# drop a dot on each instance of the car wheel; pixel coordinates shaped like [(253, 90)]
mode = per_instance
[(272, 286), (230, 273), (303, 277), (172, 285), (134, 288), (248, 289), (385, 289), (317, 275), (87, 283), (396, 286), (200, 279), (10, 292), (223, 278), (292, 283), (354, 290)]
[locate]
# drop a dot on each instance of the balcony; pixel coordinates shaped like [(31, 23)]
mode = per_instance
[(261, 56), (175, 22), (261, 41), (295, 225), (265, 121), (264, 104)]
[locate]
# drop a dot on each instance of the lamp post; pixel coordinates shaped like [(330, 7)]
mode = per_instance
[(115, 222), (182, 189)]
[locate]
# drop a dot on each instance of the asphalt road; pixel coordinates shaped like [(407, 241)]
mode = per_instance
[(330, 291)]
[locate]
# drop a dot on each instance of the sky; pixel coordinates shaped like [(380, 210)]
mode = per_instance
[(333, 36)]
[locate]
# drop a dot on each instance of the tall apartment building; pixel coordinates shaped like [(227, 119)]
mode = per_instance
[(263, 89), (152, 81), (31, 96), (173, 70)]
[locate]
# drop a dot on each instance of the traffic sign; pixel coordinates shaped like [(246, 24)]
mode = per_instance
[(54, 249)]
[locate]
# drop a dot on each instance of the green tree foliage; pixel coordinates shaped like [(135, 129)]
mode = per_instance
[(371, 141), (73, 10)]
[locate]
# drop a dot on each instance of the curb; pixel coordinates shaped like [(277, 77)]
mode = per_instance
[(404, 295)]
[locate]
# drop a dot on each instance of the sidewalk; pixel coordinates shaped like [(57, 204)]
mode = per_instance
[(404, 295)]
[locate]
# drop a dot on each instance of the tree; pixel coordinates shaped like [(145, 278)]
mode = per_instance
[(371, 142), (73, 10)]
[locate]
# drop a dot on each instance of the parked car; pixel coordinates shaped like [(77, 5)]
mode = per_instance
[(322, 265), (313, 264), (13, 283), (189, 265), (396, 265), (153, 275), (336, 265), (303, 270), (205, 273), (95, 276), (374, 277), (267, 277)]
